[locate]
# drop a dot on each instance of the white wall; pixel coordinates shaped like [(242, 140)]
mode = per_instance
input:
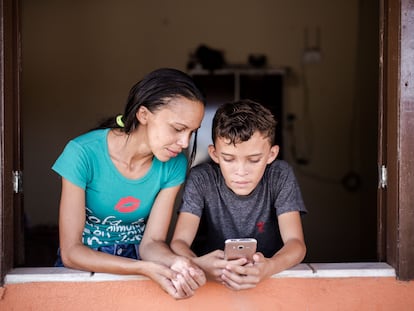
[(81, 57)]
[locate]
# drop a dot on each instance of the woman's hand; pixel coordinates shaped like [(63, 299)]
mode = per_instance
[(189, 277), (171, 281)]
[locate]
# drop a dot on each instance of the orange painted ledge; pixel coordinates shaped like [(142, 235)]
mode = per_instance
[(281, 292)]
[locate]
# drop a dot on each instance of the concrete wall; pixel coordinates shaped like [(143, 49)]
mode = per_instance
[(379, 294)]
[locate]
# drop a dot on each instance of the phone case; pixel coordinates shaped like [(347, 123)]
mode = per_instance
[(239, 248)]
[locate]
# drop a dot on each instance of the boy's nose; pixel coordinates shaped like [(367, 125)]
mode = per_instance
[(241, 169)]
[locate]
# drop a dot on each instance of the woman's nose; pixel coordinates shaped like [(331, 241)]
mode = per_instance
[(184, 141)]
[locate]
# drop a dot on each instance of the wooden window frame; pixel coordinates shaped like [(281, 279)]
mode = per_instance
[(11, 221), (396, 136)]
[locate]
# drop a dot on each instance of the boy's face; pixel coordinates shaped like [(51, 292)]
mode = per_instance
[(243, 165)]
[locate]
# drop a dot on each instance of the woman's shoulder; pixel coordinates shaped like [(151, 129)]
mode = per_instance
[(87, 143), (91, 136)]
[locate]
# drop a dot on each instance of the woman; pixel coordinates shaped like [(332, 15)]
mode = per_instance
[(120, 181)]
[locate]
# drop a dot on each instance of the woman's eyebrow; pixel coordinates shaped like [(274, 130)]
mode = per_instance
[(181, 124)]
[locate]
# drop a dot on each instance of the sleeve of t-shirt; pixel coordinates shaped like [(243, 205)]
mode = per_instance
[(177, 169), (72, 164), (193, 198), (288, 197)]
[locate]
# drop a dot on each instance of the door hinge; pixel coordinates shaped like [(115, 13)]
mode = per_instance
[(17, 181), (382, 177)]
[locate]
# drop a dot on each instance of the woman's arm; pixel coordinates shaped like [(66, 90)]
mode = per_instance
[(76, 255), (153, 245)]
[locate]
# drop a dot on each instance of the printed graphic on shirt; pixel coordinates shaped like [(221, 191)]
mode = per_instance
[(111, 230), (127, 205), (260, 226)]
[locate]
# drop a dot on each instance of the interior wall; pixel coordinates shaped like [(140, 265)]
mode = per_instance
[(81, 57)]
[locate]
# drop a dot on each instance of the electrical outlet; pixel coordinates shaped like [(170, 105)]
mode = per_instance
[(311, 56)]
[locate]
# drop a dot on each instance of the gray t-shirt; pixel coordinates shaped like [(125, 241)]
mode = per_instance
[(225, 215)]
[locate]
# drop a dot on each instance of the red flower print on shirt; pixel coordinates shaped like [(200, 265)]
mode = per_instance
[(127, 205), (260, 226)]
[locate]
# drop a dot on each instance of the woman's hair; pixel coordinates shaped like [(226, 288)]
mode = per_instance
[(238, 121), (155, 90)]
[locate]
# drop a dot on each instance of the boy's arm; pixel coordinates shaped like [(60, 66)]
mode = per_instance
[(291, 254), (184, 234), (294, 248), (154, 248)]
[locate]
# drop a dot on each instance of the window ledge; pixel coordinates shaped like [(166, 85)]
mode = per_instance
[(339, 270), (311, 270)]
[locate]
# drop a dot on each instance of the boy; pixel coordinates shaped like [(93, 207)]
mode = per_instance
[(244, 193)]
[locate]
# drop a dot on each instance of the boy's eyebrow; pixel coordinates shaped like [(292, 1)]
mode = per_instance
[(249, 155)]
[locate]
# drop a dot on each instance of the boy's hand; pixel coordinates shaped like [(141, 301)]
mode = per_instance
[(237, 277), (213, 265)]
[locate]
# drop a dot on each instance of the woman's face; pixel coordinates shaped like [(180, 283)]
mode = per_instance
[(170, 128)]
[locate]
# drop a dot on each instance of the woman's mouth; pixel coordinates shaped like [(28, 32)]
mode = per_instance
[(173, 153)]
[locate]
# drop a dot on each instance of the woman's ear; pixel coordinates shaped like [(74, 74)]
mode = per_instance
[(274, 151), (212, 153), (142, 115)]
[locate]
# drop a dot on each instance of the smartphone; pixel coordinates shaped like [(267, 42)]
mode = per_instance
[(239, 248)]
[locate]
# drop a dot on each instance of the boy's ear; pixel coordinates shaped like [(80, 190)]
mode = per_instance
[(212, 153), (274, 151)]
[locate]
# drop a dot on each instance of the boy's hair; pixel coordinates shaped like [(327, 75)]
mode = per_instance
[(238, 121)]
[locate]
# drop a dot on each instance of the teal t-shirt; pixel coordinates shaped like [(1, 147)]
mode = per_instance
[(117, 208)]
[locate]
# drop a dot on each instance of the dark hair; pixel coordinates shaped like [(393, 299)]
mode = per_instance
[(155, 90), (238, 121)]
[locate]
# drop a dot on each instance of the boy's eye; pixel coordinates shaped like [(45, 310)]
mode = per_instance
[(228, 159), (254, 160)]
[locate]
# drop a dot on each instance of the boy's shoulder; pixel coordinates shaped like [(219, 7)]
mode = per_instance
[(278, 170), (209, 167), (279, 165)]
